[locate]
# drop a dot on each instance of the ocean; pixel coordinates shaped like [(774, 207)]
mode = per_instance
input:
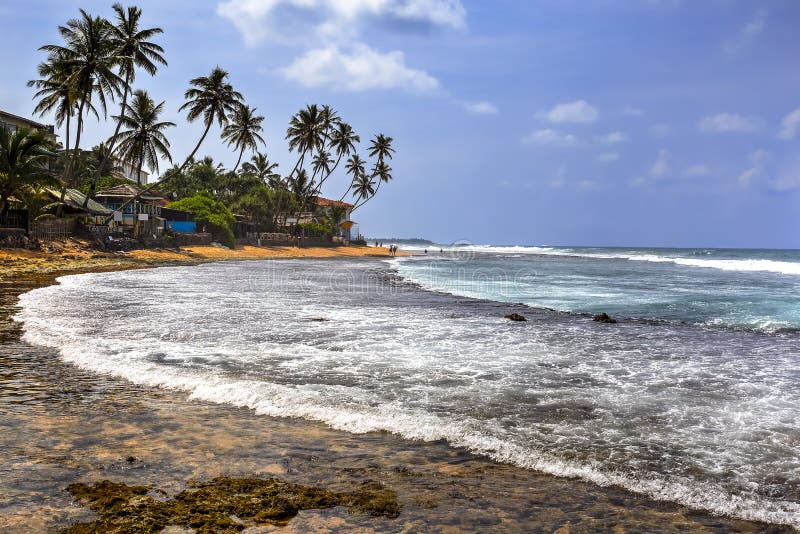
[(692, 397)]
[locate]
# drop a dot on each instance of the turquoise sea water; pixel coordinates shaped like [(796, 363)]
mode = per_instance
[(754, 289), (692, 397)]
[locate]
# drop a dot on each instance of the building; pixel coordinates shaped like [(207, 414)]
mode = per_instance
[(127, 171), (75, 204), (344, 224), (145, 214), (141, 215), (11, 121)]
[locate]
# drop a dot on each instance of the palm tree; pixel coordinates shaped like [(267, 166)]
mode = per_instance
[(55, 94), (363, 189), (342, 140), (383, 172), (261, 167), (87, 58), (381, 146), (213, 98), (133, 50), (355, 168), (243, 130), (321, 164), (305, 133), (144, 142), (24, 160)]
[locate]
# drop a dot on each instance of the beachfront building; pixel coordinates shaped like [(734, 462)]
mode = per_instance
[(343, 224), (127, 171), (12, 122), (148, 213), (141, 215)]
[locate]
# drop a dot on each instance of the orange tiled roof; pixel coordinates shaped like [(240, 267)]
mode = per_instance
[(322, 201)]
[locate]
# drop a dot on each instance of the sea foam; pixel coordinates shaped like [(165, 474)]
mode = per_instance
[(133, 346)]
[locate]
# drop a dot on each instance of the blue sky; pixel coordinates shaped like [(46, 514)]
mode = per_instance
[(542, 122)]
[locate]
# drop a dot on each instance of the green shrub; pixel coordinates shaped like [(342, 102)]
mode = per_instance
[(210, 213)]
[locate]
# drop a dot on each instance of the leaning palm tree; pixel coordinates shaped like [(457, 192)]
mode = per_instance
[(381, 146), (24, 160), (305, 133), (212, 98), (144, 142), (243, 131), (363, 189), (383, 172), (134, 50), (342, 141), (355, 168), (88, 58), (321, 164)]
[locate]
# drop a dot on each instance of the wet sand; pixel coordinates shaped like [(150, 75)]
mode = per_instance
[(60, 425)]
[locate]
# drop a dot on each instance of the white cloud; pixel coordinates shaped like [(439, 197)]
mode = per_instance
[(608, 157), (756, 171), (776, 176), (587, 185), (747, 34), (360, 68), (632, 111), (260, 20), (789, 125), (548, 137), (661, 165), (614, 138), (729, 123), (696, 171), (481, 108), (578, 111)]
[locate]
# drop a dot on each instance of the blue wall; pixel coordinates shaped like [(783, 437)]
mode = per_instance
[(182, 227)]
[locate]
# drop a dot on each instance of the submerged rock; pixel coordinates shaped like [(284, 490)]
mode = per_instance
[(604, 318), (515, 317), (219, 505)]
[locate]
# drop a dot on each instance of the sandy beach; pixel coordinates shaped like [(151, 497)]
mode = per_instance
[(61, 425), (74, 256)]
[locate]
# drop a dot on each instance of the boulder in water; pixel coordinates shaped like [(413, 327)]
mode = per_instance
[(515, 317), (603, 318)]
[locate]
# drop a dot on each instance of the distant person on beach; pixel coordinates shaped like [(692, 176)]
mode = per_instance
[(426, 251)]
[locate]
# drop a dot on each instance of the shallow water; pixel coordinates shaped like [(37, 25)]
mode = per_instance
[(748, 289), (60, 425), (703, 417)]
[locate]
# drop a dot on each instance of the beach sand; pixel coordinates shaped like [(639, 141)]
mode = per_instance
[(74, 256), (60, 425)]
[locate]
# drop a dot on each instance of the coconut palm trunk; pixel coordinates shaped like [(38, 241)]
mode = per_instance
[(238, 161), (111, 143), (196, 148), (71, 162)]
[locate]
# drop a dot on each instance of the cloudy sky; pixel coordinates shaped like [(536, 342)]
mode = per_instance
[(552, 122)]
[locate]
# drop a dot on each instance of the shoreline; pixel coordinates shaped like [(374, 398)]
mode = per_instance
[(175, 439)]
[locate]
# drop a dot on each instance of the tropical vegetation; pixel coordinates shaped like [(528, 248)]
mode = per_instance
[(96, 65)]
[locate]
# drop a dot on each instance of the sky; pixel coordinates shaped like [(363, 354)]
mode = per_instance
[(531, 122)]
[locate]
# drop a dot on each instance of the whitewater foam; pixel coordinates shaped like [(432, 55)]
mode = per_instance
[(345, 407), (743, 265)]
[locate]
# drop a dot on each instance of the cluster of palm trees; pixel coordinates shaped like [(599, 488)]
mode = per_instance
[(97, 64)]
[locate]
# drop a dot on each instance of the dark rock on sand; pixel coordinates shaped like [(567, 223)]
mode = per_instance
[(515, 317), (604, 318)]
